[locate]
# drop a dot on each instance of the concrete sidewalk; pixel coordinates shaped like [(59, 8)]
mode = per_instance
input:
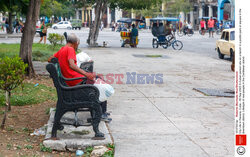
[(169, 119)]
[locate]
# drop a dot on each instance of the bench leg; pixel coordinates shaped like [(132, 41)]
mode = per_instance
[(96, 115), (56, 126)]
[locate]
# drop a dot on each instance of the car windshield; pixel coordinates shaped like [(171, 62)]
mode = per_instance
[(60, 23), (232, 35)]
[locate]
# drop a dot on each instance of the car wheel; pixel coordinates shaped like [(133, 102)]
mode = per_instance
[(79, 28), (231, 54), (55, 27), (221, 56)]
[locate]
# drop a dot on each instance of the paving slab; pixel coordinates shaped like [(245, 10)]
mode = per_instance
[(71, 138)]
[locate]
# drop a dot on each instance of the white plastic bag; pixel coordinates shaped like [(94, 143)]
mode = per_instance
[(81, 58), (105, 89)]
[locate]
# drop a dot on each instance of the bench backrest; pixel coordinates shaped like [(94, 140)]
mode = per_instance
[(70, 95)]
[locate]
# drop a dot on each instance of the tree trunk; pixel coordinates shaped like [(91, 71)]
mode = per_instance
[(100, 7), (7, 107), (10, 30), (28, 35), (7, 96)]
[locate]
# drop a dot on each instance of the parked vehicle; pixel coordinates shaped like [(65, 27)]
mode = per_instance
[(76, 23), (226, 44), (62, 24)]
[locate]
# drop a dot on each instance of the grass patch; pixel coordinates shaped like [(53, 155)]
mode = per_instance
[(111, 151), (88, 151), (27, 130), (30, 94), (83, 132), (45, 149), (10, 129), (154, 56), (28, 147), (40, 52), (9, 146)]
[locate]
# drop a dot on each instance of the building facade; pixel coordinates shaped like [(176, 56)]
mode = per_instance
[(87, 15), (219, 9)]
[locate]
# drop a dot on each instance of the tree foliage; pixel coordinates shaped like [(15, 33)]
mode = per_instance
[(175, 7), (132, 4), (64, 8)]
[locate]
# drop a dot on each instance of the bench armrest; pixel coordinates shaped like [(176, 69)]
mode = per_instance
[(77, 78)]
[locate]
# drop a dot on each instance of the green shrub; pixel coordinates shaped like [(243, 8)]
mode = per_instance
[(49, 25), (55, 39), (12, 74)]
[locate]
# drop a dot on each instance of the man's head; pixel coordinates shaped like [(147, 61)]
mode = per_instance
[(133, 25), (211, 18), (74, 40)]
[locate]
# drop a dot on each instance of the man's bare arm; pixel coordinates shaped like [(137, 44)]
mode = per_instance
[(49, 60), (74, 67)]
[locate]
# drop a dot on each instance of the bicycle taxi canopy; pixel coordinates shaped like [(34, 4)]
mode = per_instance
[(207, 18), (164, 19), (125, 20)]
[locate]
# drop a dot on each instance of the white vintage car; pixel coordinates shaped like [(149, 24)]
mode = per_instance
[(62, 24), (226, 44)]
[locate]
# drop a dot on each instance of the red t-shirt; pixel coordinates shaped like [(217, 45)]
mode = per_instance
[(211, 23), (202, 24), (63, 56)]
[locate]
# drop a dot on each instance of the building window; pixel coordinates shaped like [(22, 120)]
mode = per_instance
[(195, 8)]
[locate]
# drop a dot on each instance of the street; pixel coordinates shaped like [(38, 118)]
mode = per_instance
[(198, 44)]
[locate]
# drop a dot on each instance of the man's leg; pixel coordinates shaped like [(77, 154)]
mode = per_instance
[(104, 112), (104, 107)]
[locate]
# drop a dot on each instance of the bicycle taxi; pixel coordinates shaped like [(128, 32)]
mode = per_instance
[(162, 28), (125, 32)]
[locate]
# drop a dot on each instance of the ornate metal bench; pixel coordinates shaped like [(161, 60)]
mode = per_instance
[(84, 96)]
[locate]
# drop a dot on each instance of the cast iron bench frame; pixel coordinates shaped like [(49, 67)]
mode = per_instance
[(84, 96)]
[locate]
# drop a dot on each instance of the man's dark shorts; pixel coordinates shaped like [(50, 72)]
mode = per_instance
[(211, 29), (43, 34), (133, 39)]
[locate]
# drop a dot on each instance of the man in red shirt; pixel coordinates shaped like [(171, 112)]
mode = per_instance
[(67, 59), (203, 24), (211, 26)]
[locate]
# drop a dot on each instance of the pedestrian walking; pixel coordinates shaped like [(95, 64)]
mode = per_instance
[(2, 28), (134, 34), (211, 27), (102, 25), (43, 32), (7, 25), (203, 26), (17, 26)]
